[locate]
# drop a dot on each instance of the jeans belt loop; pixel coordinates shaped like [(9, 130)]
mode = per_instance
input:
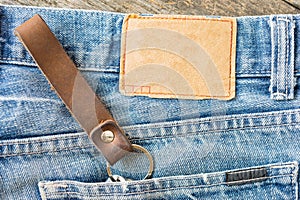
[(283, 57)]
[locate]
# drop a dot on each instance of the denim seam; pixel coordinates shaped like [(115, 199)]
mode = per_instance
[(128, 129), (89, 67), (273, 167), (294, 188), (75, 147), (289, 169), (42, 140), (172, 188), (261, 70), (29, 62), (191, 134), (31, 99), (246, 127), (295, 182), (84, 147), (104, 68), (184, 123), (225, 119)]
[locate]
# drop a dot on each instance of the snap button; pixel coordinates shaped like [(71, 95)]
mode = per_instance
[(107, 136)]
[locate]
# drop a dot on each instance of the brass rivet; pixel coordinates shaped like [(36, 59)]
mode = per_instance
[(107, 136)]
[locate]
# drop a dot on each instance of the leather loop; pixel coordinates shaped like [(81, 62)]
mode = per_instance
[(72, 88)]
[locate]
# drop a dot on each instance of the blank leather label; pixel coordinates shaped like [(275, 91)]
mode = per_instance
[(188, 57)]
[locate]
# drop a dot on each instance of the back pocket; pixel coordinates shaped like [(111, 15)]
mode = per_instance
[(276, 181)]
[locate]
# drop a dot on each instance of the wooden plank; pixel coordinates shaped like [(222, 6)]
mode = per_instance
[(191, 7), (295, 3)]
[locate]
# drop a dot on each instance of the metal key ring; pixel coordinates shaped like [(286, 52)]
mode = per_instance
[(142, 149)]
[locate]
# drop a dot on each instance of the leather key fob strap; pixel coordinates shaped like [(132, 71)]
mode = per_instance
[(73, 89)]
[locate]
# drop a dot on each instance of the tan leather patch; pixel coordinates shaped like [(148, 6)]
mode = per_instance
[(188, 57)]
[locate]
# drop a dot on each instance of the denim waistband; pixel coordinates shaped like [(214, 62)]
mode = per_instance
[(267, 53), (263, 42)]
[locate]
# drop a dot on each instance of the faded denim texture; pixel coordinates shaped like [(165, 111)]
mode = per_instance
[(44, 154)]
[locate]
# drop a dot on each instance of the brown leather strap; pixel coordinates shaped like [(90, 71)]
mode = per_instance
[(72, 88)]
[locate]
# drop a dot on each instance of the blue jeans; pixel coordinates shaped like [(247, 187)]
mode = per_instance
[(196, 144)]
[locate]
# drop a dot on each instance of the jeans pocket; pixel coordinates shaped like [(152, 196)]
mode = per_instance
[(274, 181)]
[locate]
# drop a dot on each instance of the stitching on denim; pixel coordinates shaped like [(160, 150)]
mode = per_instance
[(288, 58), (81, 147), (43, 193), (291, 58), (258, 71), (30, 99), (294, 187), (191, 134), (273, 47), (41, 140), (257, 116), (161, 189), (285, 68), (82, 67), (111, 68), (278, 59), (225, 119), (295, 181), (293, 166)]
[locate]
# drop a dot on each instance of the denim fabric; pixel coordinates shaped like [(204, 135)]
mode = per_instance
[(44, 154)]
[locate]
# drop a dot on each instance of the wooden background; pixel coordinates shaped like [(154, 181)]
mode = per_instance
[(191, 7)]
